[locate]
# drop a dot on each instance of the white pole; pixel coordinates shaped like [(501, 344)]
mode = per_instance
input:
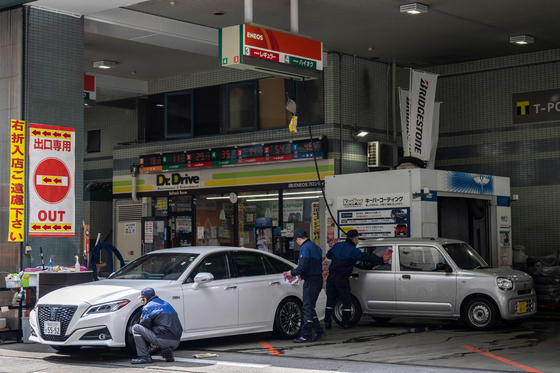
[(294, 22), (248, 11)]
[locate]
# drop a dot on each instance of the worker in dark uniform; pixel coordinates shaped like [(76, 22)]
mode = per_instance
[(159, 325), (343, 256), (311, 271)]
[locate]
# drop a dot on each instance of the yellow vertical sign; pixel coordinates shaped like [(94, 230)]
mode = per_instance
[(315, 222), (17, 181)]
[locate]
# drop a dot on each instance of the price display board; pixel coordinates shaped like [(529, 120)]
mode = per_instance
[(245, 154), (152, 162), (223, 156), (199, 158), (304, 149), (251, 154), (174, 161)]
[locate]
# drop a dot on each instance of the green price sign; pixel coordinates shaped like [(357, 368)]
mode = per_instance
[(297, 61)]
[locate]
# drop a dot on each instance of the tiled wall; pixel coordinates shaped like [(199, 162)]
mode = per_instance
[(477, 135), (54, 83)]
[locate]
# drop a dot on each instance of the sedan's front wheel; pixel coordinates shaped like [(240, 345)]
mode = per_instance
[(289, 319), (130, 344)]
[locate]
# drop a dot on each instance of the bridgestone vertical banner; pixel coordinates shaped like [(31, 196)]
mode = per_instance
[(404, 103), (51, 181), (422, 97)]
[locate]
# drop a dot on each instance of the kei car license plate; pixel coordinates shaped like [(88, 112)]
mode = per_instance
[(51, 328), (521, 307)]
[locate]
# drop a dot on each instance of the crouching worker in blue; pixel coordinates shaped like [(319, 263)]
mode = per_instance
[(311, 271), (159, 325), (344, 256)]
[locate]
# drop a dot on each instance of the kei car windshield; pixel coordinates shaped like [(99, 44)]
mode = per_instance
[(164, 266), (464, 256)]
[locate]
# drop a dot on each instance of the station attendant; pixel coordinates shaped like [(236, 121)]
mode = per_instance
[(343, 256), (159, 325), (311, 271)]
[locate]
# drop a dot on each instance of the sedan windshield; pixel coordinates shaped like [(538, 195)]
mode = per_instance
[(464, 256), (164, 266)]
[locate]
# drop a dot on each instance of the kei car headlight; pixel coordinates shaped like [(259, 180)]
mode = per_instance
[(504, 283), (106, 307)]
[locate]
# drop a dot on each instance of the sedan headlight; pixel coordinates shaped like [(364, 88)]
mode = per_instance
[(106, 307), (504, 283)]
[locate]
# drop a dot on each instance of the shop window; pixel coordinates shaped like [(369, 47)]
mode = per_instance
[(315, 100), (242, 108), (160, 206), (93, 141), (209, 111), (178, 114), (272, 103)]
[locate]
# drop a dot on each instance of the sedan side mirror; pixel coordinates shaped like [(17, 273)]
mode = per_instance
[(202, 278), (444, 267)]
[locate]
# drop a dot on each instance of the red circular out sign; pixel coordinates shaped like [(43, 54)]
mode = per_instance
[(51, 180)]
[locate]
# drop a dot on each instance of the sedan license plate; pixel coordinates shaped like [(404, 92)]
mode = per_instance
[(51, 328), (521, 307)]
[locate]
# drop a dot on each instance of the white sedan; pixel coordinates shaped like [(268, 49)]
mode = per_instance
[(217, 291)]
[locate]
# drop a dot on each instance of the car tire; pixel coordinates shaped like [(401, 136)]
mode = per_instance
[(382, 320), (66, 349), (480, 314), (288, 320), (130, 344), (355, 316)]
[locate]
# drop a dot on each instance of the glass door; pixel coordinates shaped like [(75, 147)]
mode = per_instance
[(155, 234)]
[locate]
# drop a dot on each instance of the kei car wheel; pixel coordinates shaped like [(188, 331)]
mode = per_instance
[(355, 315), (66, 349), (130, 344), (480, 314), (288, 319)]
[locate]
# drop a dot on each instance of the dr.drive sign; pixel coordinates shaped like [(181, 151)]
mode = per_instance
[(51, 181)]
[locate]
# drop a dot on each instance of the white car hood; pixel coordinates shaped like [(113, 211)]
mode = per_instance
[(100, 291)]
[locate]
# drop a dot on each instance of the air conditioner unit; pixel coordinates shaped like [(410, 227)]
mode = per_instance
[(381, 154)]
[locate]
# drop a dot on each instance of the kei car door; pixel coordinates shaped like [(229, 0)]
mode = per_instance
[(214, 305), (375, 285), (421, 289)]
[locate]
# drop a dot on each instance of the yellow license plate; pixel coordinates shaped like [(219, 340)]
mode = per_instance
[(521, 307)]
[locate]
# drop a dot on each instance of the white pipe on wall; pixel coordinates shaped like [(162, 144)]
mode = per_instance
[(294, 16), (248, 11)]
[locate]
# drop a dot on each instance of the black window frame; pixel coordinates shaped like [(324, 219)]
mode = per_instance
[(89, 134), (254, 128), (166, 104)]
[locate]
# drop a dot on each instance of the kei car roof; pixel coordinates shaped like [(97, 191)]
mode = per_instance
[(407, 240)]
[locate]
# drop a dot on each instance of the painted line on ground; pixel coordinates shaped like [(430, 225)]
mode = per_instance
[(270, 349), (213, 362), (503, 359)]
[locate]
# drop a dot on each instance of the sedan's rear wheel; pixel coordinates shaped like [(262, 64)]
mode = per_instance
[(289, 319), (355, 314), (481, 314)]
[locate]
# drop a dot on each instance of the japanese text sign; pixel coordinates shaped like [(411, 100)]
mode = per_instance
[(17, 181), (51, 178)]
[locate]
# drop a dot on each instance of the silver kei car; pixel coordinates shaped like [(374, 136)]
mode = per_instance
[(437, 278)]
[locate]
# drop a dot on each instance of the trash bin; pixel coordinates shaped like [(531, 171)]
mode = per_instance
[(26, 330)]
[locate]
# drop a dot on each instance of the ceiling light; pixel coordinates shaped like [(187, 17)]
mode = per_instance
[(362, 133), (160, 105), (415, 8), (522, 39), (104, 64)]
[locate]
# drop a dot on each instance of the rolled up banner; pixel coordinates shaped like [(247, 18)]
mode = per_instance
[(435, 135), (422, 97), (404, 104)]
